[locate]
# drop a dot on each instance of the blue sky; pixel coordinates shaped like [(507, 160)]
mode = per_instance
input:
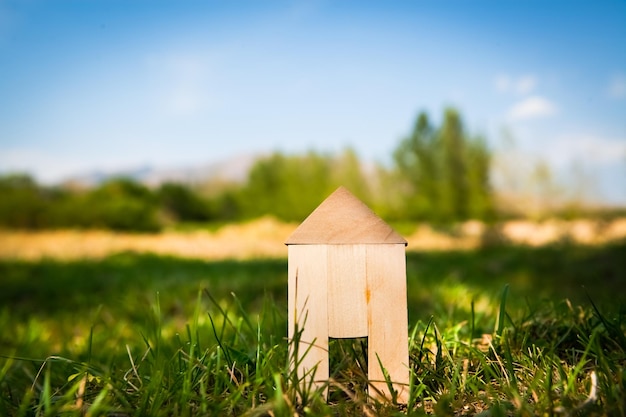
[(111, 84)]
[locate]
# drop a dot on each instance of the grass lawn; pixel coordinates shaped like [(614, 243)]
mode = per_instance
[(501, 331)]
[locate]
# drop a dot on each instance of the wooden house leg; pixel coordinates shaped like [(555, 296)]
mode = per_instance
[(308, 312), (387, 321)]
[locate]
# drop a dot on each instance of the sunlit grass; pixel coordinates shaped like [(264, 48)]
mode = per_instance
[(134, 335)]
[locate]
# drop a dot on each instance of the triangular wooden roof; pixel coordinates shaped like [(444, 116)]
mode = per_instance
[(343, 219)]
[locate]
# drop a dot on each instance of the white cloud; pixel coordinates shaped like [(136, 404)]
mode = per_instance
[(184, 82), (53, 165), (184, 100), (502, 83), (187, 86), (617, 87), (522, 85), (531, 108), (525, 84), (590, 163), (590, 149), (45, 166)]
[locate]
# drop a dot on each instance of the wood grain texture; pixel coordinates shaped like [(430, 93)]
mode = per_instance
[(347, 302), (388, 319), (308, 310), (343, 219), (347, 279)]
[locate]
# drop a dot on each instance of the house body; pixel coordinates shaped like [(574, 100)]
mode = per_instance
[(347, 279)]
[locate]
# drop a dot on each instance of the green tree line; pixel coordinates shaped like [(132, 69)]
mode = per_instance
[(439, 174)]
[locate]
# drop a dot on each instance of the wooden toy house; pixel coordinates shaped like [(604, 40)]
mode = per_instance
[(347, 279)]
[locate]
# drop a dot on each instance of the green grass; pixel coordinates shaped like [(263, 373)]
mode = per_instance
[(499, 331)]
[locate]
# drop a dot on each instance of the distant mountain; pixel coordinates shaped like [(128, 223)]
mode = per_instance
[(232, 169)]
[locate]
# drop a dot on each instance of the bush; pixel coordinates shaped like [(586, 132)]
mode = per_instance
[(182, 204)]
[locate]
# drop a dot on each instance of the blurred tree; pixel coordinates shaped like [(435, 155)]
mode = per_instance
[(22, 204), (417, 161), (444, 173), (391, 194), (180, 203), (226, 204), (290, 187), (348, 171), (120, 204), (27, 205), (454, 201), (481, 202)]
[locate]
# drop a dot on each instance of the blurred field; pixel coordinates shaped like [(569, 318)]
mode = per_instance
[(515, 319), (264, 237), (261, 238)]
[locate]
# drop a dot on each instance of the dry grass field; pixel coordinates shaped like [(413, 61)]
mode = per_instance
[(264, 237)]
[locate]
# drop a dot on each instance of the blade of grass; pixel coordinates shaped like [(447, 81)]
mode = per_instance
[(502, 312)]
